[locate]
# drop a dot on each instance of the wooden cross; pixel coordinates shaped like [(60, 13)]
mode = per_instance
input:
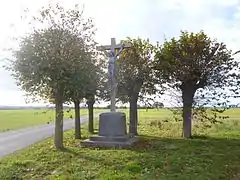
[(112, 59)]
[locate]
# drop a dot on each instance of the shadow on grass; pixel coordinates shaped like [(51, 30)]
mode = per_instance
[(173, 157), (196, 142), (153, 144), (194, 137), (146, 142)]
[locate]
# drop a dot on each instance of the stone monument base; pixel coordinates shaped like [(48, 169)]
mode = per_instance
[(111, 142), (112, 132)]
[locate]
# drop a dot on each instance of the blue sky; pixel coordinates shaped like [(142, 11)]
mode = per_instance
[(154, 19)]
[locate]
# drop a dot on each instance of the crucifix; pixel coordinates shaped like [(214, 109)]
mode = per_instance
[(113, 51)]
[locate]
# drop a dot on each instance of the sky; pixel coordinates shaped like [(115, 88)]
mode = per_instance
[(153, 19)]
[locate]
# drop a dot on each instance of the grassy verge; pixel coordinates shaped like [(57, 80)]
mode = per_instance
[(15, 119), (161, 154)]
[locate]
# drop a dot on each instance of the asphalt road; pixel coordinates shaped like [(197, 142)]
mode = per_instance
[(12, 141)]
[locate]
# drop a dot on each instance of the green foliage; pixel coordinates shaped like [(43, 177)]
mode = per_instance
[(135, 71), (197, 58), (58, 58), (202, 69)]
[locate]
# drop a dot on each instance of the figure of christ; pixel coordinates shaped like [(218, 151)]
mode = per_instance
[(112, 67)]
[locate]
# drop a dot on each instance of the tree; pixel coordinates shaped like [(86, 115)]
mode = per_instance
[(91, 93), (76, 92), (90, 103), (45, 62), (95, 88), (135, 76), (83, 80), (195, 62)]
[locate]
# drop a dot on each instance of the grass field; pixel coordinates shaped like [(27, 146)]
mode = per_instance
[(161, 154), (15, 119)]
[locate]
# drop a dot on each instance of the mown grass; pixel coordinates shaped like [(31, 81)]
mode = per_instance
[(16, 119), (161, 154)]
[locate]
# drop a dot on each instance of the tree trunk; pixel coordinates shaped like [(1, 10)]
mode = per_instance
[(77, 120), (90, 116), (133, 115), (58, 138), (187, 95)]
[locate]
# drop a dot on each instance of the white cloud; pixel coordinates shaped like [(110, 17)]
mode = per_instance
[(218, 18)]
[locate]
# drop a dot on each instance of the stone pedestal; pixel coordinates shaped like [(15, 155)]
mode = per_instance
[(112, 132), (112, 124)]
